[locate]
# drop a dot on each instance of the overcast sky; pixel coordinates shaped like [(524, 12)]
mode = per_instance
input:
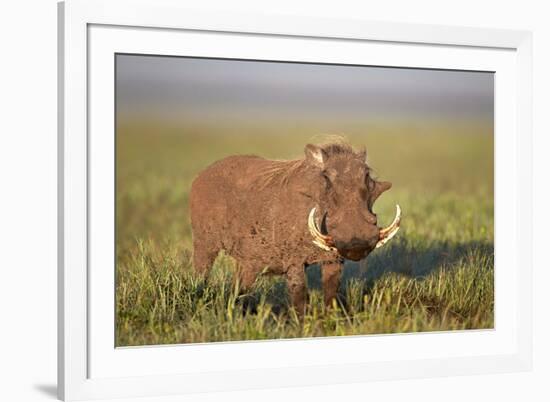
[(194, 88)]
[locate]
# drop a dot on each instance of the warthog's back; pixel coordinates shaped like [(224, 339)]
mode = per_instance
[(237, 208), (221, 187)]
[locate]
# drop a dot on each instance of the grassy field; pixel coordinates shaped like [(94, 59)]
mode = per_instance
[(437, 274)]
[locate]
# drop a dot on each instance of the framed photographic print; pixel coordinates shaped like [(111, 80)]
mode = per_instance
[(252, 201)]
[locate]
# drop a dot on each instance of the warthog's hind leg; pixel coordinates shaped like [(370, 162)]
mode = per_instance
[(204, 256)]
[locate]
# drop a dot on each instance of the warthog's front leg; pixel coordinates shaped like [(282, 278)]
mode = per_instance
[(296, 280), (331, 273)]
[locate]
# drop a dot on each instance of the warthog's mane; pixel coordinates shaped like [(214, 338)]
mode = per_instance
[(279, 172)]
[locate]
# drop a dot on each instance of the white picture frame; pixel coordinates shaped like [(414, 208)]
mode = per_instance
[(90, 367)]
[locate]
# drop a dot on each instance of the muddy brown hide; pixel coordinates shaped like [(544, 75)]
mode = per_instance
[(256, 210)]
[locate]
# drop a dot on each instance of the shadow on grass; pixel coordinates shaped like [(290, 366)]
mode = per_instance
[(401, 258), (414, 262)]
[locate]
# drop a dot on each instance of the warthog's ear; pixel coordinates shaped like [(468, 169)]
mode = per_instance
[(379, 188), (315, 155)]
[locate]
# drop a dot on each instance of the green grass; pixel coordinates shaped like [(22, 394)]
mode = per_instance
[(437, 274)]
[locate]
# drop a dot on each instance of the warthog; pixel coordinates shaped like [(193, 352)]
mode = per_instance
[(280, 216)]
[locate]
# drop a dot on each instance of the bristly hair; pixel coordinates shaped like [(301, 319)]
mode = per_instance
[(338, 149), (337, 145), (279, 172)]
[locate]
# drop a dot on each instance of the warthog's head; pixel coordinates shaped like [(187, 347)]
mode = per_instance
[(344, 192)]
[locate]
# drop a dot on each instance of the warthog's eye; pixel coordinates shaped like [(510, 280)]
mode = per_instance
[(327, 180), (307, 195)]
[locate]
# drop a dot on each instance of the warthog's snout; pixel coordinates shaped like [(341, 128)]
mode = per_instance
[(354, 248)]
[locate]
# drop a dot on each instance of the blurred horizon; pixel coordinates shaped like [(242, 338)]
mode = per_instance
[(319, 98)]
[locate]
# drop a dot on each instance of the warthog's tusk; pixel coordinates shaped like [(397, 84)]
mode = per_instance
[(387, 233), (319, 239)]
